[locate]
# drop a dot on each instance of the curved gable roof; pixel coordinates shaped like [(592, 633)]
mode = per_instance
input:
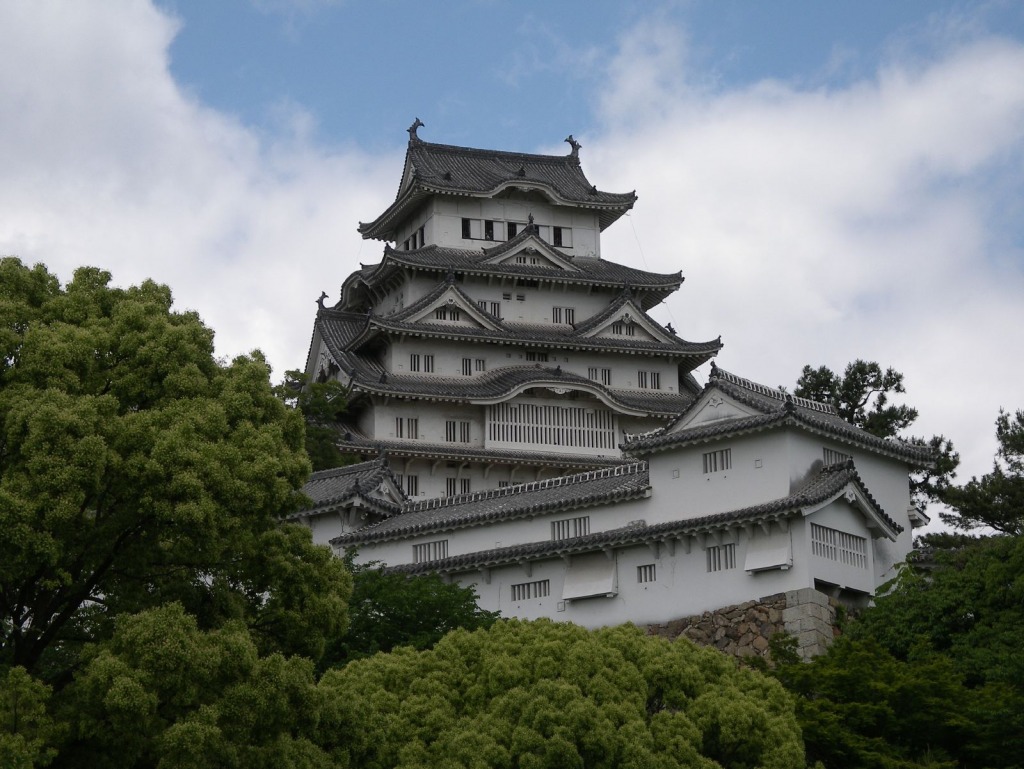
[(442, 169)]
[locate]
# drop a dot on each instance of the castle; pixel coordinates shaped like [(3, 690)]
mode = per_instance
[(529, 429)]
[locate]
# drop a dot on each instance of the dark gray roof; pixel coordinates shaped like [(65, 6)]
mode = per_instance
[(776, 408), (369, 376), (348, 330), (651, 287), (441, 169), (597, 487), (825, 485), (339, 487), (350, 439)]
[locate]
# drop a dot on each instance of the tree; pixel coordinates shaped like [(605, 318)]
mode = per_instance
[(861, 396), (136, 471), (321, 404), (963, 598), (545, 694), (860, 707), (389, 610), (996, 500)]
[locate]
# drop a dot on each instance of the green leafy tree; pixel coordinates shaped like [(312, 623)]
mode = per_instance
[(860, 707), (163, 692), (389, 610), (136, 471), (862, 396), (964, 598), (322, 405), (545, 694), (996, 500), (28, 734)]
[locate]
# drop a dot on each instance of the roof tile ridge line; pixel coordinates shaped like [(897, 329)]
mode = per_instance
[(775, 393), (491, 152)]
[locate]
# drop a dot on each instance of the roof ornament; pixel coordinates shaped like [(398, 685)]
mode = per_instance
[(575, 152), (530, 219), (320, 301), (355, 486), (449, 278), (714, 371), (558, 369), (593, 189), (521, 172), (668, 327), (412, 130), (447, 176), (789, 406), (384, 378)]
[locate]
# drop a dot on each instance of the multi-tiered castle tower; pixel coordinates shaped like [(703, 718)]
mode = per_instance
[(493, 344)]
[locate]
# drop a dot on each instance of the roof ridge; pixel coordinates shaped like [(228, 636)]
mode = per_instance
[(525, 488), (774, 393)]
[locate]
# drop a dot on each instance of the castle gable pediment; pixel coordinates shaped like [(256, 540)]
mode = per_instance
[(625, 321), (528, 250), (452, 307)]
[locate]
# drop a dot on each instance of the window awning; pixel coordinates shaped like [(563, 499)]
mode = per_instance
[(774, 551), (588, 576)]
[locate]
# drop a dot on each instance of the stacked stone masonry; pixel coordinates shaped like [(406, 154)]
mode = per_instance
[(744, 630)]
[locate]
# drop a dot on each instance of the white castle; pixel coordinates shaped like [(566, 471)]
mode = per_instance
[(530, 430)]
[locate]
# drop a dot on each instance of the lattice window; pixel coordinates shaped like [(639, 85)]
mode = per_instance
[(524, 591), (412, 485), (646, 573), (570, 528), (414, 361), (548, 425), (718, 461), (449, 486), (721, 557), (464, 485), (641, 379), (833, 457), (430, 551), (464, 432), (449, 431), (480, 364), (467, 366), (428, 364), (541, 357), (835, 545)]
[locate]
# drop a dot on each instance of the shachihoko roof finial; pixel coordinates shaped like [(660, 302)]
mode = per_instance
[(530, 218), (320, 301), (575, 146), (413, 128)]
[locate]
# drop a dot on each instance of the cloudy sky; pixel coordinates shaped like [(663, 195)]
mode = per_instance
[(833, 182)]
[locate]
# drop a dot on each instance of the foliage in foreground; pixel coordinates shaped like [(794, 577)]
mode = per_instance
[(389, 610), (543, 694)]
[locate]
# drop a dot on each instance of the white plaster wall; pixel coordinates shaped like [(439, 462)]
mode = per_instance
[(841, 516), (759, 473), (683, 587)]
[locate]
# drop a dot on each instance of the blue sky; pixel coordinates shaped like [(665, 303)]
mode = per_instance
[(835, 179)]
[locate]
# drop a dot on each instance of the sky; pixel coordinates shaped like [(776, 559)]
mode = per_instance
[(835, 180)]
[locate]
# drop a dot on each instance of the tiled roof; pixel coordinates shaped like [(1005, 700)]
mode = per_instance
[(776, 408), (597, 487), (652, 287), (824, 486), (347, 330), (351, 440), (368, 375), (329, 489), (441, 169)]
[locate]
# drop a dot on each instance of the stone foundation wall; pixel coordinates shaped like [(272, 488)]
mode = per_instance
[(743, 630)]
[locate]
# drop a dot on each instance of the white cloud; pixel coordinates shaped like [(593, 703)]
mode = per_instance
[(818, 226), (106, 161)]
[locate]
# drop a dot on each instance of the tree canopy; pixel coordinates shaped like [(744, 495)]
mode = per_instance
[(135, 469), (996, 499), (321, 405), (545, 694), (862, 396)]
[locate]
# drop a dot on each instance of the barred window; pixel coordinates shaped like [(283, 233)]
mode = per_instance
[(537, 356), (412, 485), (449, 486), (449, 431), (467, 366), (464, 485), (646, 573), (527, 590), (430, 551), (718, 461), (570, 527), (414, 361), (496, 309), (464, 432), (428, 363), (833, 457), (480, 364), (721, 557), (641, 379), (835, 545)]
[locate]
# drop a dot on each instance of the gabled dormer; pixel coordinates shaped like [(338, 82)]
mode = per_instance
[(625, 320), (448, 305), (528, 249)]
